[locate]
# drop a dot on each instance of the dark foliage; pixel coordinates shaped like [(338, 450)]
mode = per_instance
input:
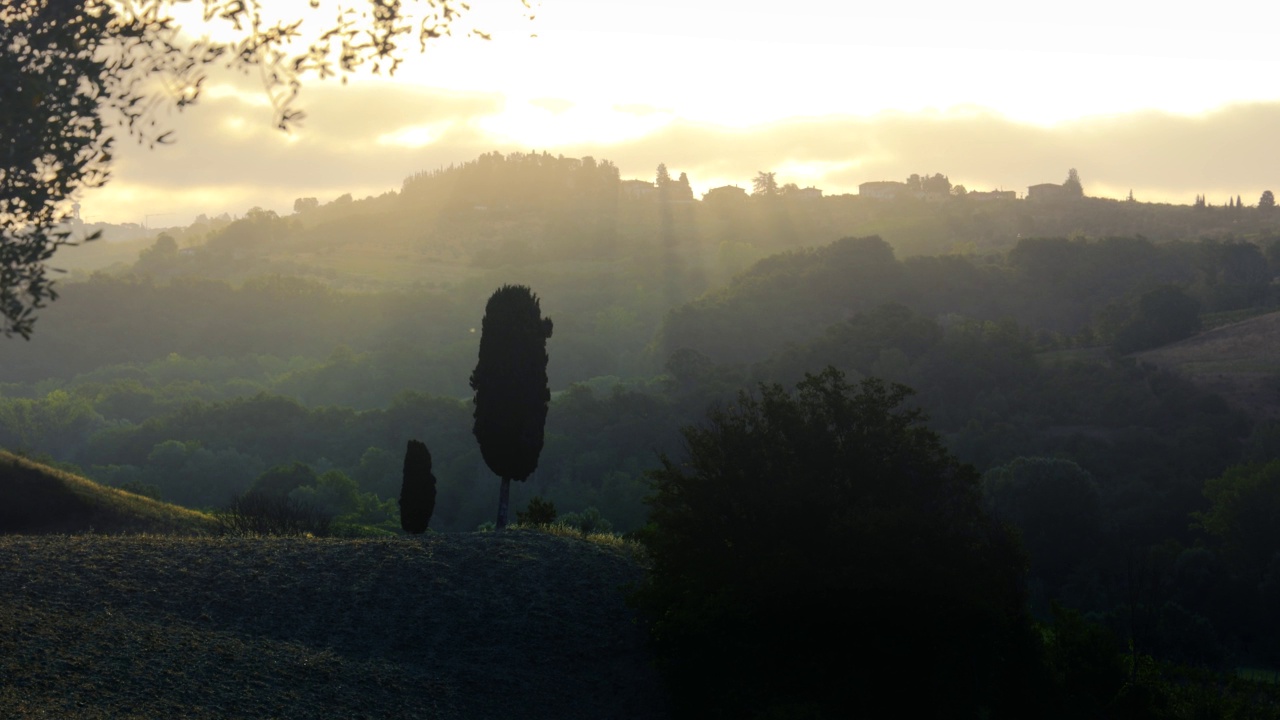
[(72, 67), (418, 490), (1055, 505), (1087, 664), (815, 547), (53, 88), (1165, 315), (538, 512), (510, 384), (265, 513), (281, 480)]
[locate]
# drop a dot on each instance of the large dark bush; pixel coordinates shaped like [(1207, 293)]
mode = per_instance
[(816, 552)]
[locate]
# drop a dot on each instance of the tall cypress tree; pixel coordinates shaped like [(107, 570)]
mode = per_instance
[(510, 384), (417, 489)]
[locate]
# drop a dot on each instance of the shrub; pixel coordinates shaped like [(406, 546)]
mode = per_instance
[(587, 522), (538, 512), (265, 513)]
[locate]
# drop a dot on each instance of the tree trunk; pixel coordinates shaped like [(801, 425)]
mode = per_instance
[(504, 495)]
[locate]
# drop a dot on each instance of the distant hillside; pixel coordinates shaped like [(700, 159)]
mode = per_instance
[(1240, 362), (520, 624), (37, 499)]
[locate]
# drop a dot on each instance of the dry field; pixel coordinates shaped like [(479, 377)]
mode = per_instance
[(521, 624), (1240, 362)]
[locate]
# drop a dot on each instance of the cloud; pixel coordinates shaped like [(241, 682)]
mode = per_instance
[(365, 139), (641, 109), (553, 105), (357, 138)]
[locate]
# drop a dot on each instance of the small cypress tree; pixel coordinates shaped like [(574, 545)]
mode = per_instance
[(417, 490)]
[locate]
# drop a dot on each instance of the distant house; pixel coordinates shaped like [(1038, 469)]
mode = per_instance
[(724, 194), (806, 194), (882, 189), (1047, 192), (636, 189), (991, 195)]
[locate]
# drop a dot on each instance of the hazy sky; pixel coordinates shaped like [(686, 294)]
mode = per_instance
[(1166, 101)]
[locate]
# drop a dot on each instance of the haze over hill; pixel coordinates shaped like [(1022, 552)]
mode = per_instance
[(1000, 96), (907, 360)]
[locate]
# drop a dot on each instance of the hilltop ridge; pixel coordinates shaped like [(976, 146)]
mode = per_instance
[(38, 499)]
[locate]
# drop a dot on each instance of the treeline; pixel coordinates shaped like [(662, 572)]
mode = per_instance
[(525, 209), (310, 339), (526, 180), (202, 454), (983, 383), (1140, 499), (1068, 292)]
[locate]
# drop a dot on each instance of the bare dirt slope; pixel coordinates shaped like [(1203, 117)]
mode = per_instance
[(1240, 362), (520, 624)]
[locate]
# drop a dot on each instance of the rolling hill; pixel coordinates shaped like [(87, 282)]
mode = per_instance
[(519, 624), (37, 499), (1239, 361)]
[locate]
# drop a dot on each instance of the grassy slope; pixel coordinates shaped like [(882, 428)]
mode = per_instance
[(519, 624), (35, 498), (1239, 361)]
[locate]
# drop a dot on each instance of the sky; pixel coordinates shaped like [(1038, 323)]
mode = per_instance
[(1139, 96)]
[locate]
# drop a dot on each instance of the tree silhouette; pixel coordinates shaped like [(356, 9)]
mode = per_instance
[(806, 533), (1267, 201), (663, 178), (765, 184), (417, 489), (510, 384), (71, 71), (1072, 185)]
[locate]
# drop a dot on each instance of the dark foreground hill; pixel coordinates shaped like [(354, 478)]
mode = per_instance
[(36, 498), (520, 624)]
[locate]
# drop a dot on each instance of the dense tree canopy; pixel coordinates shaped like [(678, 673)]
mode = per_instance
[(811, 545)]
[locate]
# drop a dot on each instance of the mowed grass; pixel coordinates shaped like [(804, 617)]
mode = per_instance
[(35, 498), (519, 624)]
